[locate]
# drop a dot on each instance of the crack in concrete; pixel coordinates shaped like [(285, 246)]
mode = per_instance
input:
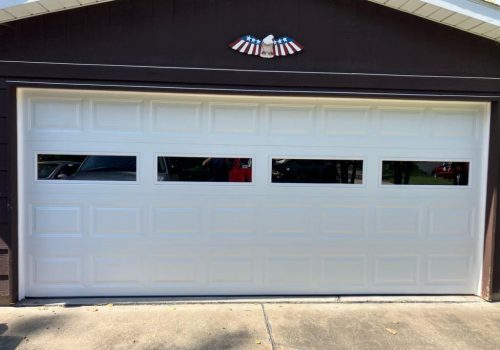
[(268, 327)]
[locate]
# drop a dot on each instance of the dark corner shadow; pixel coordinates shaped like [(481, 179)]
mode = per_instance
[(8, 342), (12, 336), (224, 341)]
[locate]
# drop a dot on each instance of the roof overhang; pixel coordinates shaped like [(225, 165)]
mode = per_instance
[(11, 10), (480, 17)]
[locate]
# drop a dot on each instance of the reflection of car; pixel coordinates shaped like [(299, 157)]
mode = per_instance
[(240, 170), (56, 170), (449, 170), (444, 170), (107, 168), (456, 171)]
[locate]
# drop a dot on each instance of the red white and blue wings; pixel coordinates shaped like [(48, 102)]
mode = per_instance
[(250, 45), (247, 44), (286, 46)]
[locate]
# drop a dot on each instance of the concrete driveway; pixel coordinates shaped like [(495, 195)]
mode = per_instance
[(196, 324)]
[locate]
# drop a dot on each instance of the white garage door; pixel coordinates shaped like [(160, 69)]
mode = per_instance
[(171, 194)]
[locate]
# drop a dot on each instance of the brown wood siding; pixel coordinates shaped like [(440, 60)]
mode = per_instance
[(495, 185), (492, 206), (351, 47), (5, 292)]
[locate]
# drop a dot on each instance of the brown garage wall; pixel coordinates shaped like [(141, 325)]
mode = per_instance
[(5, 292), (364, 48)]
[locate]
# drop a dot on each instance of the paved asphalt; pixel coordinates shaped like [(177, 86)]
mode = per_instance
[(283, 324)]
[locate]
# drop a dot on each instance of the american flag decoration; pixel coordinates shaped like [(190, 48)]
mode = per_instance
[(267, 47)]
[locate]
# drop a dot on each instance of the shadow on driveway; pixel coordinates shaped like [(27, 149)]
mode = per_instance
[(21, 330)]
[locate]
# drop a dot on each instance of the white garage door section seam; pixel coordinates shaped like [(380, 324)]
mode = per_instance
[(156, 232)]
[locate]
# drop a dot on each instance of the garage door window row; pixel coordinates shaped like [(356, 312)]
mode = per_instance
[(234, 169)]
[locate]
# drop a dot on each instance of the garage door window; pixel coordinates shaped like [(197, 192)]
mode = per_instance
[(320, 171), (441, 173), (204, 169), (86, 167)]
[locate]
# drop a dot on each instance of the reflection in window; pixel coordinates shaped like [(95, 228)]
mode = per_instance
[(317, 171), (86, 168), (425, 173), (204, 169)]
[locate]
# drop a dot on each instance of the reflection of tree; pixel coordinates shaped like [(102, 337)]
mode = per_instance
[(345, 171), (402, 171), (345, 166), (461, 173)]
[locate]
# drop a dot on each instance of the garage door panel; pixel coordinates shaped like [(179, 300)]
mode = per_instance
[(162, 236), (340, 270), (344, 221), (57, 220), (56, 270), (116, 115), (179, 220), (54, 114), (172, 269), (449, 269), (59, 216), (401, 122), (451, 222), (116, 269), (192, 121), (396, 269), (345, 121), (239, 269), (175, 117)]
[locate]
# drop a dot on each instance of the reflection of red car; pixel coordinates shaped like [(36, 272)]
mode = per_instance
[(240, 170), (444, 170), (450, 170)]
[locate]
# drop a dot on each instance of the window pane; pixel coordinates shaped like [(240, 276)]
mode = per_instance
[(425, 173), (86, 167), (204, 169), (330, 171)]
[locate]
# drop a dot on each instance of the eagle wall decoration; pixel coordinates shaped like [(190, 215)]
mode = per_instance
[(267, 47)]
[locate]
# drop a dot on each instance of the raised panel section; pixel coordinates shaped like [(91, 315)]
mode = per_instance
[(57, 270), (171, 269), (348, 121), (288, 270), (339, 220), (116, 221), (448, 269), (176, 116), (232, 270), (453, 123), (397, 221), (396, 270), (55, 114), (56, 220), (117, 115), (233, 118), (450, 221), (116, 269), (288, 220), (175, 220), (343, 270), (232, 220), (291, 119), (401, 122)]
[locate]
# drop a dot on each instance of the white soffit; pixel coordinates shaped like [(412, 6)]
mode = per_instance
[(11, 10), (480, 17)]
